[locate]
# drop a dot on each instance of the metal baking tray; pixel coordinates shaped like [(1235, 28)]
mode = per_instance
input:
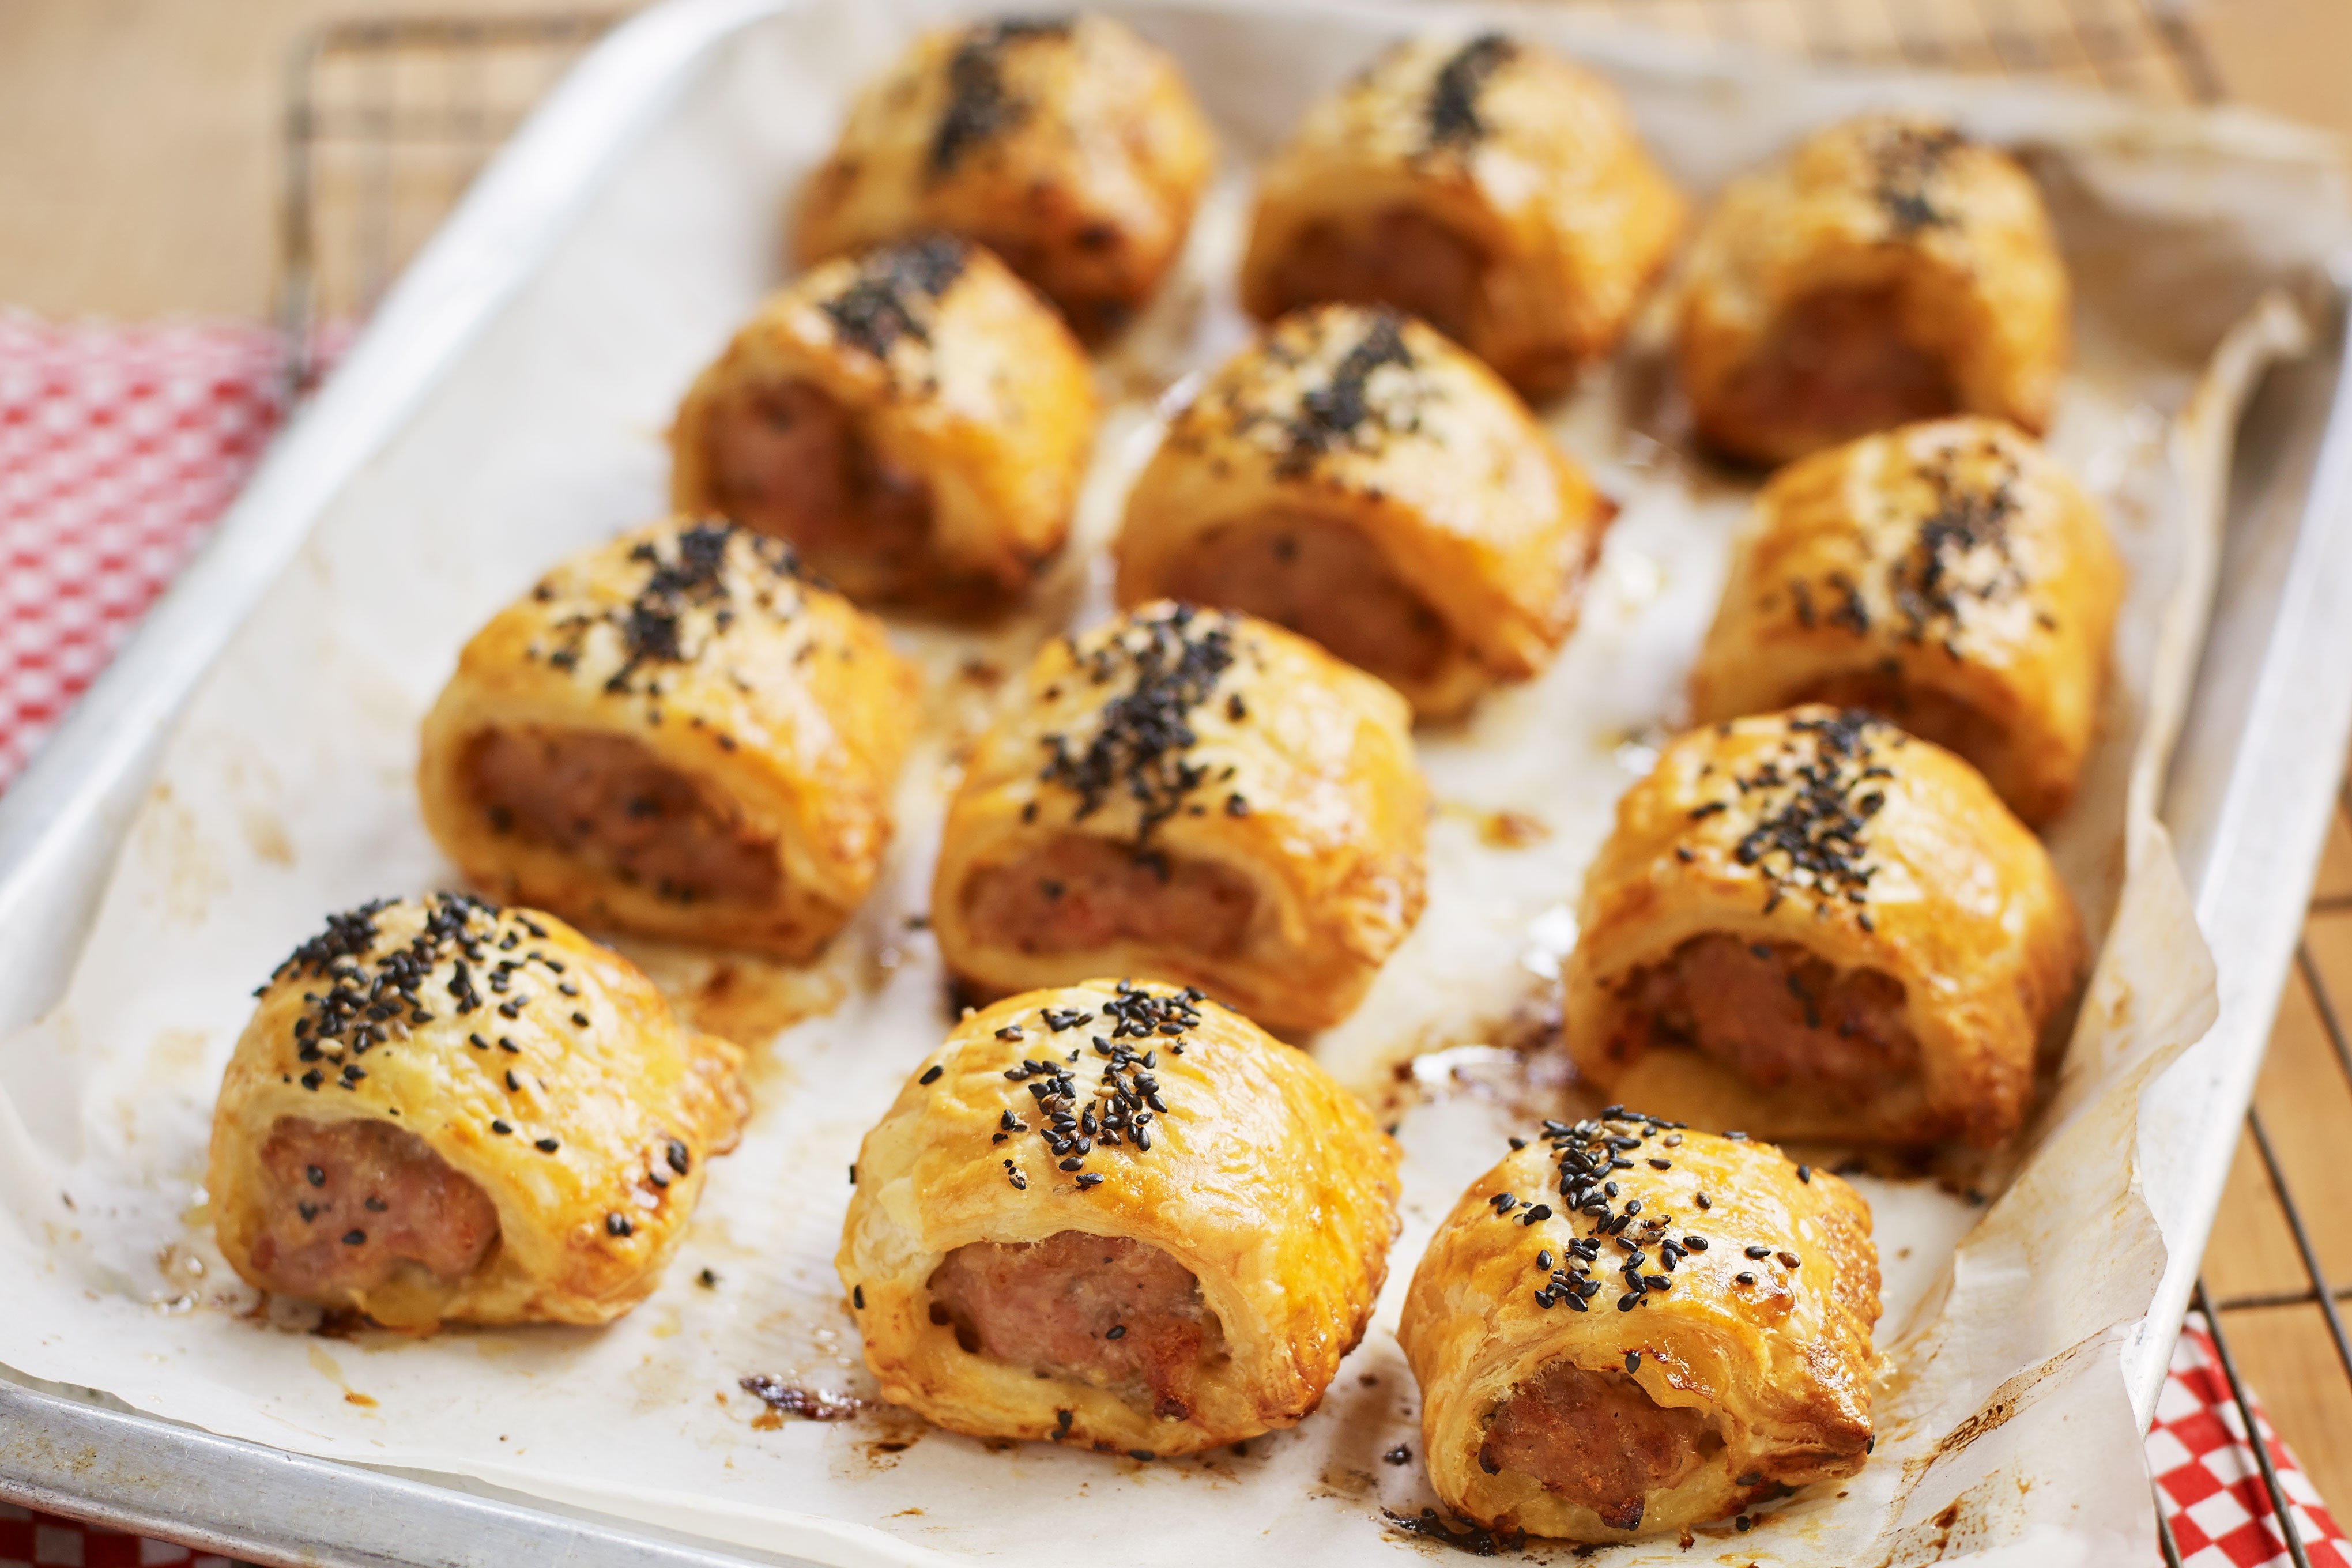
[(2247, 803)]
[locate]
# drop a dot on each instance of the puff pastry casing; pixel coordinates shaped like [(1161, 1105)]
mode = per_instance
[(1192, 795), (1069, 146), (437, 1080), (1740, 1364), (1857, 937), (1357, 477), (1488, 186), (1886, 270), (914, 420), (1950, 577), (1255, 1174), (676, 733)]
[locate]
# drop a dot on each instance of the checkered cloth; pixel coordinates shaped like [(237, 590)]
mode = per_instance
[(119, 445), (117, 448)]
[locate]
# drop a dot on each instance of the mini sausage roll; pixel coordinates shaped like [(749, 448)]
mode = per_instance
[(1067, 145), (1627, 1329), (1815, 925), (675, 733), (1887, 270), (1192, 795), (915, 421), (1948, 576), (1356, 479), (1117, 1215), (447, 1112), (1488, 187)]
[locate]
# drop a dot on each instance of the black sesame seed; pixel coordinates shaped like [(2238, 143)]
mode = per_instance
[(1117, 1331), (500, 1127), (318, 1178), (1744, 1277), (547, 1145), (857, 1297), (1632, 1360), (1758, 1251), (1146, 1455), (617, 1225), (1088, 1179), (354, 1239), (933, 1074), (679, 1161), (1805, 1173)]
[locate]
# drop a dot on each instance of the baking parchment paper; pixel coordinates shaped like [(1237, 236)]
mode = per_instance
[(2003, 1422)]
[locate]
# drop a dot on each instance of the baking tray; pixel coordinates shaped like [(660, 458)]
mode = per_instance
[(2249, 796)]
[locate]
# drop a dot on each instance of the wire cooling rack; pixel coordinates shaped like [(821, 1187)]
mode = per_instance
[(389, 120)]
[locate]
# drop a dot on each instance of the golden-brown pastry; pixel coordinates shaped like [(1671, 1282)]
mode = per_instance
[(1067, 145), (1627, 1329), (1811, 925), (675, 733), (1488, 186), (1949, 576), (1358, 479), (1889, 270), (1192, 795), (915, 421), (444, 1111), (1117, 1215)]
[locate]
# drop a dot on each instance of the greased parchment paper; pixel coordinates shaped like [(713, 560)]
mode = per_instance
[(2003, 1423)]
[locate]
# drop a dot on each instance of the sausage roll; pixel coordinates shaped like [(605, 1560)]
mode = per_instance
[(1115, 1214), (1067, 145), (1813, 924), (676, 733), (1489, 187), (915, 421), (1887, 270), (1358, 479), (1194, 794), (1627, 1329), (444, 1110), (1947, 575)]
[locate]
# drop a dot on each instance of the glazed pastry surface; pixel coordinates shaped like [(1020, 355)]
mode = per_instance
[(1599, 1362), (676, 733), (1949, 576), (1358, 479), (445, 1111), (1484, 185), (1117, 1215), (1193, 795), (1812, 925), (1067, 145), (915, 421), (1886, 270)]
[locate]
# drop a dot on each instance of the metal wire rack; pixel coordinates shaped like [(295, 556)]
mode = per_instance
[(389, 120)]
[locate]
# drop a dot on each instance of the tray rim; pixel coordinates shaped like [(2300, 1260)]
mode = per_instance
[(63, 820)]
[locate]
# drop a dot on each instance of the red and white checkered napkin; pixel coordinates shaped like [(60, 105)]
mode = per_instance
[(2207, 1478), (119, 445)]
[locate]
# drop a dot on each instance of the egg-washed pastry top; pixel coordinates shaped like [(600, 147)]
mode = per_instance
[(1627, 1328), (914, 419), (1886, 269), (1119, 1215), (1485, 186), (679, 733), (443, 1111), (1809, 924)]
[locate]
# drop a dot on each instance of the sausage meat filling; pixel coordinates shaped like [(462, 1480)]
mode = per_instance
[(609, 801), (1837, 366), (1107, 1310), (1395, 257), (1774, 1013), (1323, 580), (345, 1203), (1078, 893), (789, 460), (1596, 1438)]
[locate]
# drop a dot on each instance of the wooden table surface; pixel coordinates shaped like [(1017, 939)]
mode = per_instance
[(138, 176)]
